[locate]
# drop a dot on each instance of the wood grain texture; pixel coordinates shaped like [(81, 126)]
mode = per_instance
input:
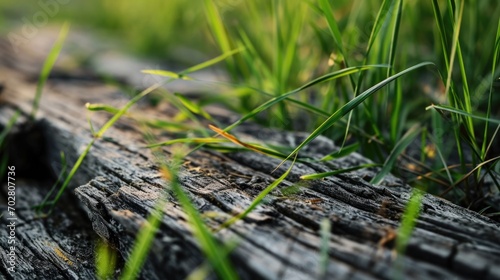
[(119, 183)]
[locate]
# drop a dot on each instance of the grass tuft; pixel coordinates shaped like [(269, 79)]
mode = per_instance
[(47, 67)]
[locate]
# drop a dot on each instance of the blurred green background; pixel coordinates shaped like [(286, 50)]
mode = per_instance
[(154, 26)]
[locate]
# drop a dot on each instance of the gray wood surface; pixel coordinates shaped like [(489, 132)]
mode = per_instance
[(119, 182)]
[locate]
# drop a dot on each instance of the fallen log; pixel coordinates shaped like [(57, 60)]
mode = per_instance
[(119, 182)]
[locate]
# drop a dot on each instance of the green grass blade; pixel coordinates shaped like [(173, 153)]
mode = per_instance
[(252, 147), (325, 232), (127, 106), (394, 37), (47, 67), (156, 123), (172, 126), (442, 32), (324, 78), (106, 259), (290, 50), (193, 107), (60, 178), (462, 113), (478, 167), (147, 91), (336, 172), (326, 9), (496, 53), (439, 148), (400, 146), (143, 242), (169, 74), (344, 151), (215, 254), (219, 32), (254, 59), (66, 182), (396, 120), (102, 107), (278, 63), (349, 106), (278, 52), (217, 26), (188, 140), (183, 74), (211, 62), (466, 99), (379, 22)]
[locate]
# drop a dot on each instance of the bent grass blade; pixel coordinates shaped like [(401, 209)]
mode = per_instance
[(255, 148), (215, 254), (169, 74), (344, 151), (143, 242), (183, 74), (193, 107), (47, 67), (349, 106), (189, 141), (478, 167), (461, 112), (409, 136), (336, 172), (156, 123), (407, 226), (322, 79)]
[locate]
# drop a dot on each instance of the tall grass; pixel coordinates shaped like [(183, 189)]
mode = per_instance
[(350, 70), (47, 67), (385, 121), (392, 119), (462, 101)]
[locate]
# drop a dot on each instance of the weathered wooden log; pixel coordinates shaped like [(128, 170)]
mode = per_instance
[(119, 183), (58, 247)]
